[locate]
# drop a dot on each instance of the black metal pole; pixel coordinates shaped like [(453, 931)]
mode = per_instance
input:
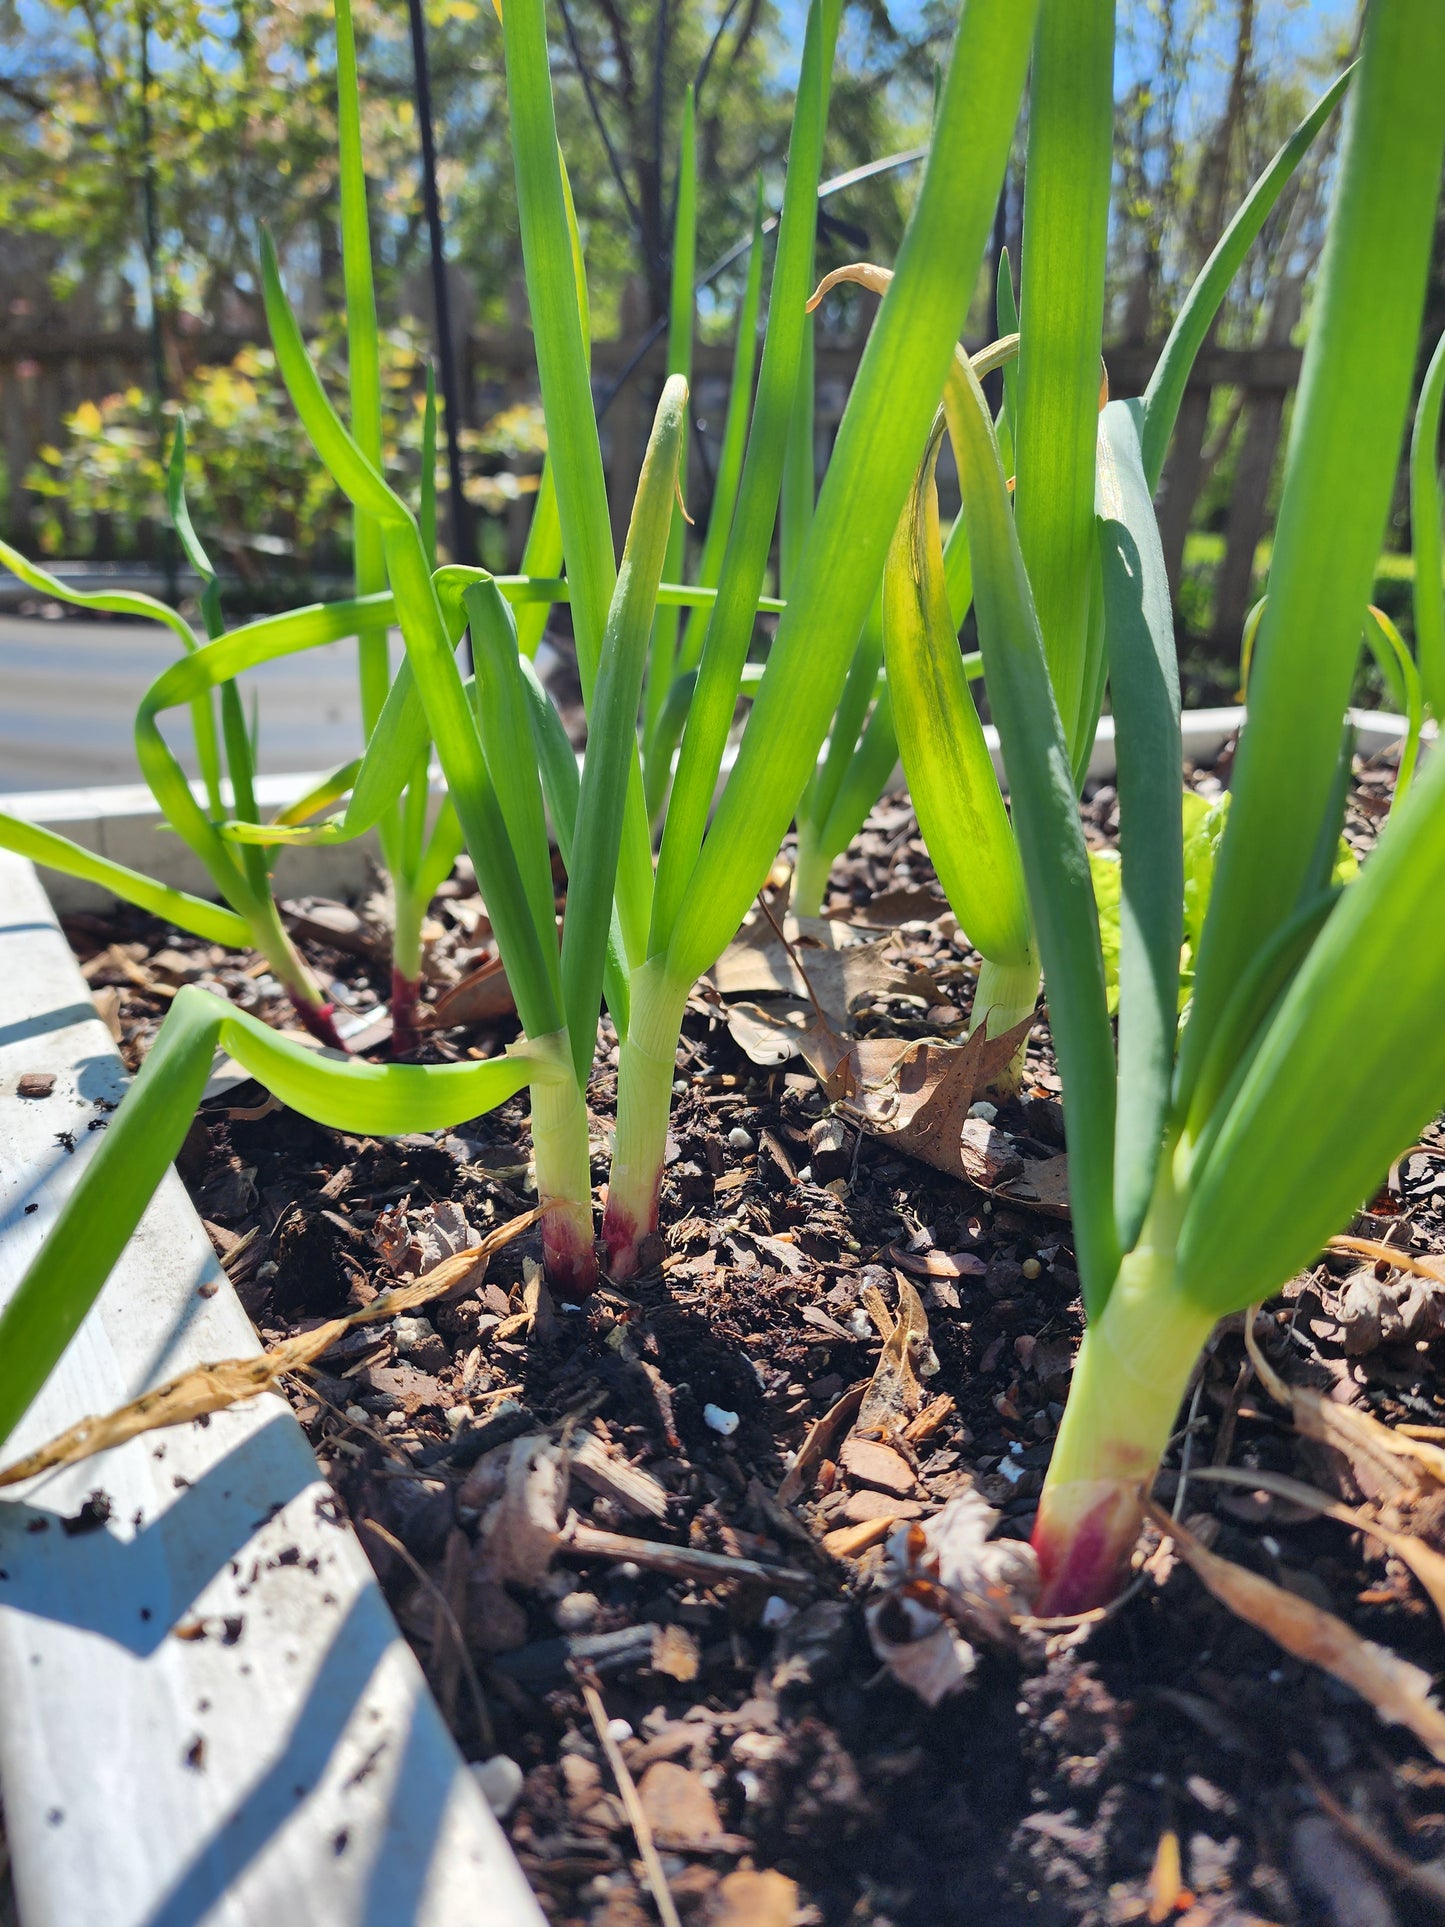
[(152, 250), (446, 357)]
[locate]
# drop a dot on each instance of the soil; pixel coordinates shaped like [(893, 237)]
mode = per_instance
[(787, 1775)]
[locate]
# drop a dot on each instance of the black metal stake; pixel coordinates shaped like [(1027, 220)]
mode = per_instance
[(152, 250), (446, 358)]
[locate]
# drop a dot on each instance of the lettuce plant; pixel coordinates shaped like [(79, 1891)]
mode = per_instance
[(1207, 1166)]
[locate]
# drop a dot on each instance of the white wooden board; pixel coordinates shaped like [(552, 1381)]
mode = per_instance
[(290, 1766)]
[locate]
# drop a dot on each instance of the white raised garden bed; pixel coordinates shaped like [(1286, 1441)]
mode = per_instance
[(207, 1712), (123, 823)]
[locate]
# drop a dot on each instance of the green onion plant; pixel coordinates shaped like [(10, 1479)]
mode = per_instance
[(247, 916), (643, 939), (1208, 1161), (709, 871)]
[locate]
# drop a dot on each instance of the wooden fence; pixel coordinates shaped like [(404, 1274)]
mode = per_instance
[(44, 375)]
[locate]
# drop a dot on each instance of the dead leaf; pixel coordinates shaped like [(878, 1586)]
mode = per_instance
[(412, 1242), (936, 1264), (894, 907), (772, 1032), (1398, 1691), (876, 1306), (841, 971), (1042, 1185), (947, 1585), (521, 1529), (482, 996), (1398, 1464), (1391, 1311), (915, 1094), (895, 1394), (212, 1388), (821, 1443)]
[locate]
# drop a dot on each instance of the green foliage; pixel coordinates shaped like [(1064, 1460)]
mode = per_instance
[(256, 488), (1204, 824)]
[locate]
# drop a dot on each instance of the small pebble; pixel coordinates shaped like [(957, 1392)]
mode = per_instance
[(576, 1611), (411, 1332), (618, 1731), (740, 1139), (777, 1612), (358, 1415), (988, 1112), (500, 1779), (725, 1423), (457, 1416)]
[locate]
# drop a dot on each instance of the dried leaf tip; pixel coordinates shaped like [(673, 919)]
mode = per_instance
[(862, 273)]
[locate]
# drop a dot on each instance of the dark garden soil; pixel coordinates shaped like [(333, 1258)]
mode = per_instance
[(1160, 1764)]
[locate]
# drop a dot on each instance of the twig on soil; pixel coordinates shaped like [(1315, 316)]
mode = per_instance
[(1426, 1881), (448, 1617), (1186, 1451), (1423, 1560), (215, 1387), (1392, 1255), (796, 961), (582, 1541), (369, 1431), (627, 1787)]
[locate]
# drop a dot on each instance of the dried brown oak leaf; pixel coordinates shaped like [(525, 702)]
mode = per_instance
[(774, 990), (914, 1093), (415, 1241)]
